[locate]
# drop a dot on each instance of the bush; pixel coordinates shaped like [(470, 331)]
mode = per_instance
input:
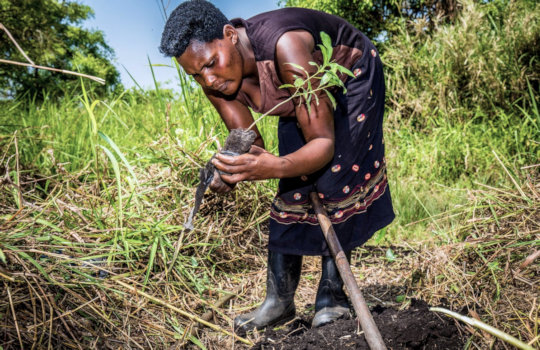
[(487, 61)]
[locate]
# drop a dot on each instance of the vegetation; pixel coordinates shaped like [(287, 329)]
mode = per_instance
[(381, 19), (94, 191), (50, 34)]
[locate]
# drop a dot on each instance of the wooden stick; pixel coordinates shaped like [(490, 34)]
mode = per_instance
[(15, 43), (207, 316), (485, 327), (529, 260), (33, 65), (91, 77), (184, 313), (372, 334)]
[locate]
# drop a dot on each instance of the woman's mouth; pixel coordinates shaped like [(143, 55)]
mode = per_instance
[(221, 87)]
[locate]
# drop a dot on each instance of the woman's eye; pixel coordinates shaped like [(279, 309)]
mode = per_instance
[(211, 63)]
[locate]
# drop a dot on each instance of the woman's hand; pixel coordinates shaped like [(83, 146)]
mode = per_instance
[(219, 186), (258, 164)]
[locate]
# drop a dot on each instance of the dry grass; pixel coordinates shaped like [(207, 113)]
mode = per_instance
[(492, 275), (79, 271), (54, 296)]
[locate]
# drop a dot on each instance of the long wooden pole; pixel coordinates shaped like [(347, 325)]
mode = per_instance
[(371, 332)]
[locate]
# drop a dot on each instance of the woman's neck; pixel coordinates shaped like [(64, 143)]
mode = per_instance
[(246, 50)]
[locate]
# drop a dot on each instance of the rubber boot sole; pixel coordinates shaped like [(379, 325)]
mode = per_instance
[(330, 314)]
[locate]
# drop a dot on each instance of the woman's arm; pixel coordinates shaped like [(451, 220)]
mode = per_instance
[(234, 114), (317, 126)]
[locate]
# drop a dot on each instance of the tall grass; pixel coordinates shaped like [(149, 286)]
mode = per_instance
[(474, 69), (454, 96)]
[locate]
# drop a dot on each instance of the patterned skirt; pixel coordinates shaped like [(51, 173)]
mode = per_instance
[(353, 187)]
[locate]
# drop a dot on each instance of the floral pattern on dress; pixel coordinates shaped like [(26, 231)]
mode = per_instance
[(356, 201)]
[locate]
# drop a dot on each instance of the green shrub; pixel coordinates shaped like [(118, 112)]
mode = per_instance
[(478, 66)]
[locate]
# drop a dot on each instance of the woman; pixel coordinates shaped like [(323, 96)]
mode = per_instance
[(338, 153)]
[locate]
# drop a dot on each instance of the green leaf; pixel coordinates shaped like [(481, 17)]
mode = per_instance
[(49, 224), (331, 98), (327, 54), (197, 342), (298, 82), (400, 298), (326, 47), (344, 70), (120, 155), (297, 66), (151, 259), (2, 257), (37, 265), (325, 38), (325, 79), (390, 255)]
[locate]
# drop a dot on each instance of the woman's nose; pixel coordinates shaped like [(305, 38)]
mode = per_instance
[(209, 80)]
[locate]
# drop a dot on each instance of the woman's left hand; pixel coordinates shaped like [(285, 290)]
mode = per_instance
[(257, 164)]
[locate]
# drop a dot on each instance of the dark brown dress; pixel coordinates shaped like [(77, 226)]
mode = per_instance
[(353, 186)]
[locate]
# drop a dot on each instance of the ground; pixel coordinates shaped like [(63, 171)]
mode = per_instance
[(413, 328)]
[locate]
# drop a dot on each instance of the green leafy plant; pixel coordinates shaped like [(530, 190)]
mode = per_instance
[(322, 80)]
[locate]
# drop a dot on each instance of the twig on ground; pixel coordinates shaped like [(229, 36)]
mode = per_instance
[(184, 313), (14, 315), (529, 260), (485, 327)]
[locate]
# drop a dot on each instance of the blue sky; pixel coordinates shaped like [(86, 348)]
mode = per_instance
[(133, 29)]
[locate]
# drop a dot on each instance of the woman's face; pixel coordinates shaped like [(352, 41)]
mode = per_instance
[(216, 65)]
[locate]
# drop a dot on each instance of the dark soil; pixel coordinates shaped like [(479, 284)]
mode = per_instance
[(413, 328)]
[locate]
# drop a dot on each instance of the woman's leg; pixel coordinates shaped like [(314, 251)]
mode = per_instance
[(331, 302), (283, 275)]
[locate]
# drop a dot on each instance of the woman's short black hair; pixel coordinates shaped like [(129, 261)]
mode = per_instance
[(191, 20)]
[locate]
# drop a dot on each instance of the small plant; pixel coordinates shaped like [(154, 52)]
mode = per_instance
[(325, 78)]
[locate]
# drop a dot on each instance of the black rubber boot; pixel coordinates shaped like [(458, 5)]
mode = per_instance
[(331, 303), (283, 274)]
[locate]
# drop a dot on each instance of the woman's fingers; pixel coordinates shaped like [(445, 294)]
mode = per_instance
[(218, 185), (238, 167), (256, 165), (230, 164), (257, 150)]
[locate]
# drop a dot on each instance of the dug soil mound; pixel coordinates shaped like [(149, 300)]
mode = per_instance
[(413, 328)]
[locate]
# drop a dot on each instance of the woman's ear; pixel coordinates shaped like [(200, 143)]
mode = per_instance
[(229, 32)]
